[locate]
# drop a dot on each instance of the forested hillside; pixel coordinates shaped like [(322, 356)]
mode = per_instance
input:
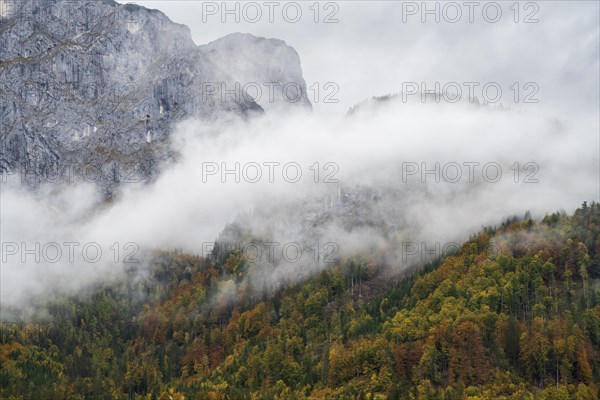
[(515, 314)]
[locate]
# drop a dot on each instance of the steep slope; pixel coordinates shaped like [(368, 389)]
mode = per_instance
[(268, 69), (513, 314), (91, 89)]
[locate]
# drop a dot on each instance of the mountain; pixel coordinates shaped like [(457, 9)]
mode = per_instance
[(513, 314), (268, 68), (92, 90)]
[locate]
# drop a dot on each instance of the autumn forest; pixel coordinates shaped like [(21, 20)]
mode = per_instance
[(519, 322)]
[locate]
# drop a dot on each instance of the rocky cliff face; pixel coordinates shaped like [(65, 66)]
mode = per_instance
[(267, 69), (91, 90)]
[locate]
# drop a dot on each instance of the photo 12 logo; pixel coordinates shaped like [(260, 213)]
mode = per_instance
[(453, 12), (274, 252), (36, 94), (69, 252), (270, 11), (269, 92), (70, 12), (268, 171), (468, 171), (412, 252), (71, 172), (422, 252), (454, 92)]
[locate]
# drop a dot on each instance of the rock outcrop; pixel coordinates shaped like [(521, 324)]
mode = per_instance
[(268, 69), (91, 89)]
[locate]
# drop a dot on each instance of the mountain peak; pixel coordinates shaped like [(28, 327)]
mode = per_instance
[(269, 70)]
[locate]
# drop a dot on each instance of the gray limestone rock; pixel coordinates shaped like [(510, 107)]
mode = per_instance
[(91, 89)]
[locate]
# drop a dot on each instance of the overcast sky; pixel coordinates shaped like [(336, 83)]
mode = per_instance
[(377, 46)]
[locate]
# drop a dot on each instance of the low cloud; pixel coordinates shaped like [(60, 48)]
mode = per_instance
[(386, 174)]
